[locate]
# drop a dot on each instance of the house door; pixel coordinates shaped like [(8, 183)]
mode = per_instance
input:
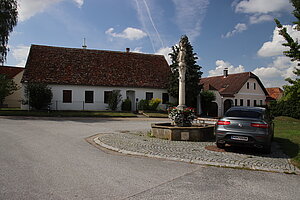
[(213, 109), (227, 104), (130, 94)]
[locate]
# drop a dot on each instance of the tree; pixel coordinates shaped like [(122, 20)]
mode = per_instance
[(207, 97), (292, 91), (8, 19), (192, 76), (7, 87), (114, 100), (38, 95)]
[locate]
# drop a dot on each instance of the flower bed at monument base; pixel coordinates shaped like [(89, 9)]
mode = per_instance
[(196, 133)]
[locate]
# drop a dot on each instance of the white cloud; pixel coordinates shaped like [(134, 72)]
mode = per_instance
[(274, 74), (274, 47), (165, 52), (256, 19), (240, 27), (20, 53), (190, 15), (29, 8), (221, 64), (262, 6), (79, 3), (128, 33)]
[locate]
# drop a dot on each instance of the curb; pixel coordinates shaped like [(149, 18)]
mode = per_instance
[(192, 161)]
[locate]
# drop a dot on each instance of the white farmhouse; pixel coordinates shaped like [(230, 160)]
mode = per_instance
[(242, 89), (83, 79)]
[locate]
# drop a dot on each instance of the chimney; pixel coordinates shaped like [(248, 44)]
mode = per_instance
[(225, 72), (84, 44), (127, 50)]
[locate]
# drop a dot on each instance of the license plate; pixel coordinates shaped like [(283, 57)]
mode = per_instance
[(241, 138)]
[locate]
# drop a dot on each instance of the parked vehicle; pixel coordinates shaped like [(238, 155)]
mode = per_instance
[(246, 126)]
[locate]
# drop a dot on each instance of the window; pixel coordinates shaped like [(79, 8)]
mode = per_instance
[(89, 96), (261, 102), (67, 96), (254, 103), (107, 94), (248, 102), (165, 98), (149, 95), (235, 102), (254, 86), (248, 84), (241, 102)]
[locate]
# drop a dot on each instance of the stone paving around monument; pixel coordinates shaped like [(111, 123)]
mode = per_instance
[(194, 152)]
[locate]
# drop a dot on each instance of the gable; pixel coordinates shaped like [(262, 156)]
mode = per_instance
[(230, 85), (58, 65)]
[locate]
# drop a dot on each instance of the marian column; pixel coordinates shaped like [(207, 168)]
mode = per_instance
[(182, 70)]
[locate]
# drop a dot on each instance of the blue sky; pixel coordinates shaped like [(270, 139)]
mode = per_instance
[(238, 34)]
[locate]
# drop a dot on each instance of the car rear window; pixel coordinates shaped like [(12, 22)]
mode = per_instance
[(244, 113)]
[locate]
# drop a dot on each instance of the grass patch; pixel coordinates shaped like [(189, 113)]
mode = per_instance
[(65, 113), (287, 134), (156, 115)]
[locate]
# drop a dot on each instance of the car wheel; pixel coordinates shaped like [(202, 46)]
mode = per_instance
[(266, 149), (220, 145)]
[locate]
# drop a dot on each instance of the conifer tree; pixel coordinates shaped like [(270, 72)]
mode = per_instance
[(192, 76), (292, 91), (8, 19)]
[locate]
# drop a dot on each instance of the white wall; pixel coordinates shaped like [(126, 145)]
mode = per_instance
[(251, 94), (78, 96), (14, 100)]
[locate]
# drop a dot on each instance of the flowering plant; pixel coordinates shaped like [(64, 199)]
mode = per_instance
[(183, 117)]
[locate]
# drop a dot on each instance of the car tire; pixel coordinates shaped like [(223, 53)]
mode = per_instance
[(220, 145)]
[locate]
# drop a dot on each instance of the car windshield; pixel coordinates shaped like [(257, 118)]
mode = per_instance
[(243, 113)]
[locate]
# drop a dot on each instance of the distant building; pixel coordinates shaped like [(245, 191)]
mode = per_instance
[(83, 79), (274, 94), (14, 73), (242, 89)]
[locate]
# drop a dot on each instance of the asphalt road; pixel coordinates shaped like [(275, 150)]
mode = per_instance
[(49, 158)]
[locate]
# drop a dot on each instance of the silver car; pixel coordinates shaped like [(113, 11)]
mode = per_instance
[(246, 126)]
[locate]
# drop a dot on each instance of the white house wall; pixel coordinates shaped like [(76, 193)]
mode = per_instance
[(78, 96), (14, 100), (251, 94)]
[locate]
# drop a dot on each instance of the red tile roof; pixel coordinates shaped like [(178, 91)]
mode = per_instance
[(10, 72), (58, 65), (230, 85), (275, 93)]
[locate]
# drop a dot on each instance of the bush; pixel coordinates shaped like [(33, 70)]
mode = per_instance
[(288, 108), (143, 104), (126, 105), (40, 95), (153, 104), (114, 100)]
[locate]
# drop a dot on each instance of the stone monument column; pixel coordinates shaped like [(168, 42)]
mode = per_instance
[(182, 71)]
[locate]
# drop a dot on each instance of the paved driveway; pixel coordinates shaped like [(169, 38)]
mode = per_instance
[(48, 158)]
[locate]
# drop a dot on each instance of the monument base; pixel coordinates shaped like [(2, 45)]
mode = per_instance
[(194, 133)]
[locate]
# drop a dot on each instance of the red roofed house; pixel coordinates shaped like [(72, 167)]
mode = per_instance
[(15, 73), (274, 93), (242, 89), (82, 79)]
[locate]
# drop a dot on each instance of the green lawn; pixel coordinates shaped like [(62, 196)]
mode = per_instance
[(66, 113), (287, 134)]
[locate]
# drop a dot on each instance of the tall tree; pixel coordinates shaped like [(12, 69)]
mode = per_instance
[(192, 76), (292, 91), (8, 19), (7, 87)]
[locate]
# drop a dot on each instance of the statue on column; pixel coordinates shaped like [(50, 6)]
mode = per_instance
[(181, 58)]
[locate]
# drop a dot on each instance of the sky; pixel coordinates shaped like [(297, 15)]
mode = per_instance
[(238, 34)]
